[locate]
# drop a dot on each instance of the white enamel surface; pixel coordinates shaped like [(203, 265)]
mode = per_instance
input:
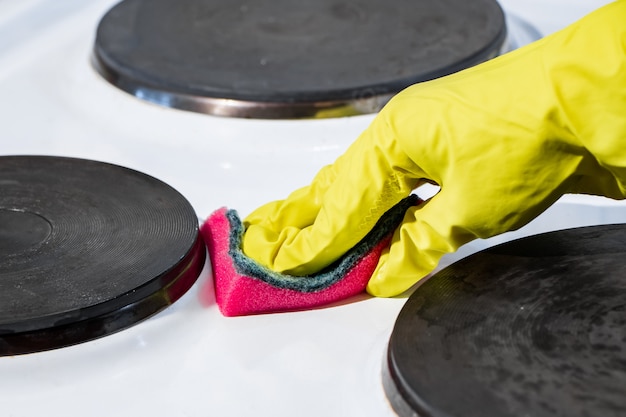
[(189, 360)]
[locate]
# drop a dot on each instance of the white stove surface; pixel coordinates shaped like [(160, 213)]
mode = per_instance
[(189, 360)]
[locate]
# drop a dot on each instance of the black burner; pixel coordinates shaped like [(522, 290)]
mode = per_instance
[(87, 249), (534, 327), (284, 58)]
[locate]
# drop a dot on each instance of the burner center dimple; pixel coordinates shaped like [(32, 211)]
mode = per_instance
[(21, 230)]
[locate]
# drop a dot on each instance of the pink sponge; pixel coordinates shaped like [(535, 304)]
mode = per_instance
[(243, 286)]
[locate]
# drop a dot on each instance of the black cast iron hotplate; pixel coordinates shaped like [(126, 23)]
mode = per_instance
[(288, 59), (534, 327), (87, 249)]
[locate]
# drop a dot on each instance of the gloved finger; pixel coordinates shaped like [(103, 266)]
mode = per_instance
[(458, 214), (369, 178)]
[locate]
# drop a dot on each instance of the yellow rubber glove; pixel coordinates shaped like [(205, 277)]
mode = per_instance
[(504, 140)]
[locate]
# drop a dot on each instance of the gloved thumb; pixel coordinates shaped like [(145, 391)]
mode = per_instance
[(425, 235)]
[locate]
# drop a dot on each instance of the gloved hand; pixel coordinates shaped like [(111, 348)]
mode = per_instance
[(504, 140)]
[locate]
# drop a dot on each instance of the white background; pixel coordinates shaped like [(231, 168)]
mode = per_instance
[(189, 360)]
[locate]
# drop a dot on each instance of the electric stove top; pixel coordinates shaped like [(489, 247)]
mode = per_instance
[(534, 326), (283, 59), (188, 359), (88, 249)]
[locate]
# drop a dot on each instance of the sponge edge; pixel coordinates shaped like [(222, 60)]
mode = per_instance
[(244, 287)]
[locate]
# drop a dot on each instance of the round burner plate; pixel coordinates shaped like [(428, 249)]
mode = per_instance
[(87, 249), (285, 59), (534, 327)]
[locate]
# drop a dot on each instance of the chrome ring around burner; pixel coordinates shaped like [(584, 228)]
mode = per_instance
[(519, 33)]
